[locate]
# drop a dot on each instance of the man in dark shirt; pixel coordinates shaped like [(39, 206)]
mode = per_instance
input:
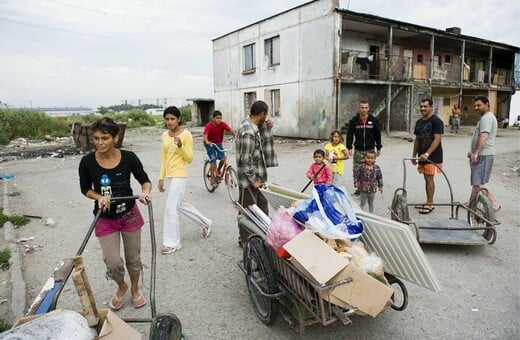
[(427, 147), (364, 133)]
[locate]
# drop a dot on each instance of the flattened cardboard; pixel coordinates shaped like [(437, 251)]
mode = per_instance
[(364, 292), (321, 264), (114, 328), (318, 258)]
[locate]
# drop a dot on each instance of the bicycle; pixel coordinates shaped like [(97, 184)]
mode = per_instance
[(226, 173)]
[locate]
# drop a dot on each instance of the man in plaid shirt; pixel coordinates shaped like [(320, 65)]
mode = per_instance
[(255, 152)]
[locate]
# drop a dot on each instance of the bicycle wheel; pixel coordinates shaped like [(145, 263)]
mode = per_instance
[(483, 207), (207, 176), (260, 271), (232, 183)]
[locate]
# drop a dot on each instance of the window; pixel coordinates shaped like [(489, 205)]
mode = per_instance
[(447, 59), (439, 60), (446, 101), (274, 102), (272, 50), (249, 57), (249, 99), (420, 58)]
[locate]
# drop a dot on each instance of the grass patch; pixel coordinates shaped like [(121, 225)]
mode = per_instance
[(5, 256), (4, 326), (13, 193), (16, 220)]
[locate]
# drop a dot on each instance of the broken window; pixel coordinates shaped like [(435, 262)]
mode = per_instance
[(272, 50), (249, 57), (275, 102), (249, 99)]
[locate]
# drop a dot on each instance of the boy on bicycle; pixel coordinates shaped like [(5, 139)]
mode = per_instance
[(213, 137)]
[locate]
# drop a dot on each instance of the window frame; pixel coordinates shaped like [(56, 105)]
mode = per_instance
[(249, 65), (272, 50), (275, 101)]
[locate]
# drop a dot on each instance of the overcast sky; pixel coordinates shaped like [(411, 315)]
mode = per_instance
[(93, 53)]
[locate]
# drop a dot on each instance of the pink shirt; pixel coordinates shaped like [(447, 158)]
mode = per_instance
[(325, 175)]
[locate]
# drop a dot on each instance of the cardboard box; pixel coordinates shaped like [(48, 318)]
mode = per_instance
[(114, 328), (320, 263)]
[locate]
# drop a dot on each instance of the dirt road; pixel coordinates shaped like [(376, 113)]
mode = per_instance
[(203, 285)]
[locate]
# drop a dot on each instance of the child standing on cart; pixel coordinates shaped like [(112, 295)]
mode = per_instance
[(213, 138), (319, 172), (368, 180)]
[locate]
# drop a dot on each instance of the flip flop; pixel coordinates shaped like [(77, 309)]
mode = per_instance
[(420, 206), (139, 301), (116, 303), (426, 210)]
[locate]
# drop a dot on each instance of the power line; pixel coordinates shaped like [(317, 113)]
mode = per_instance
[(80, 7), (72, 32)]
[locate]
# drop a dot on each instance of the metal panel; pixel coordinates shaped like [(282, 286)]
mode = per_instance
[(401, 253)]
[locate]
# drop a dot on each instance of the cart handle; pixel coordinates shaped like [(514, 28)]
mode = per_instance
[(69, 268)]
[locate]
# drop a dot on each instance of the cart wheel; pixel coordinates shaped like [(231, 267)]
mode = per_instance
[(259, 271), (482, 205), (232, 183), (166, 327), (207, 176), (400, 296)]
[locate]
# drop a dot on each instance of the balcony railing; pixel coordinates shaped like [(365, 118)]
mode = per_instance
[(359, 65)]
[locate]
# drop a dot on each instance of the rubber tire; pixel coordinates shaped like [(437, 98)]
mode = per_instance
[(393, 281), (258, 267), (481, 203), (232, 184), (206, 176), (166, 327)]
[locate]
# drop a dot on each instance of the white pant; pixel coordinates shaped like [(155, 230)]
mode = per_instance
[(175, 204)]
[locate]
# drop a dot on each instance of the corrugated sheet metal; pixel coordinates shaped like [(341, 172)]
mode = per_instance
[(398, 248)]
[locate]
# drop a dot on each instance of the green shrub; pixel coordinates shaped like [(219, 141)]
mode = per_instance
[(5, 256), (29, 124), (4, 326)]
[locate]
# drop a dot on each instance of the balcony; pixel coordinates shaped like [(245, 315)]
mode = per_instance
[(360, 65)]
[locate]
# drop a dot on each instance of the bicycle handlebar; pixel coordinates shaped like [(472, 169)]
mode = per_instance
[(222, 150)]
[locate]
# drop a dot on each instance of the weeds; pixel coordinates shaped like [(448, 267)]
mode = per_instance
[(5, 256), (13, 193), (4, 326), (16, 220)]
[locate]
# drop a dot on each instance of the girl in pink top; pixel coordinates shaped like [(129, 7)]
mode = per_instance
[(316, 173)]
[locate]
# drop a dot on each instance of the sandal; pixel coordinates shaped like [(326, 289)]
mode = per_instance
[(169, 250), (116, 302), (139, 301), (426, 210)]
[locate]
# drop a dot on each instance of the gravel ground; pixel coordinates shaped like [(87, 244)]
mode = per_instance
[(202, 284)]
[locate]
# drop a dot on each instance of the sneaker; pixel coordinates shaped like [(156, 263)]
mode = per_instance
[(169, 250), (206, 231), (356, 192)]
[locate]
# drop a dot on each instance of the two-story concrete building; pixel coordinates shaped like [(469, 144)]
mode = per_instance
[(313, 64)]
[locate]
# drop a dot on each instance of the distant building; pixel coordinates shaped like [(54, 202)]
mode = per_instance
[(155, 111), (313, 63), (64, 111)]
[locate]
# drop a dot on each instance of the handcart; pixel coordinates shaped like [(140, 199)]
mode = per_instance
[(276, 286), (476, 226), (163, 326)]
